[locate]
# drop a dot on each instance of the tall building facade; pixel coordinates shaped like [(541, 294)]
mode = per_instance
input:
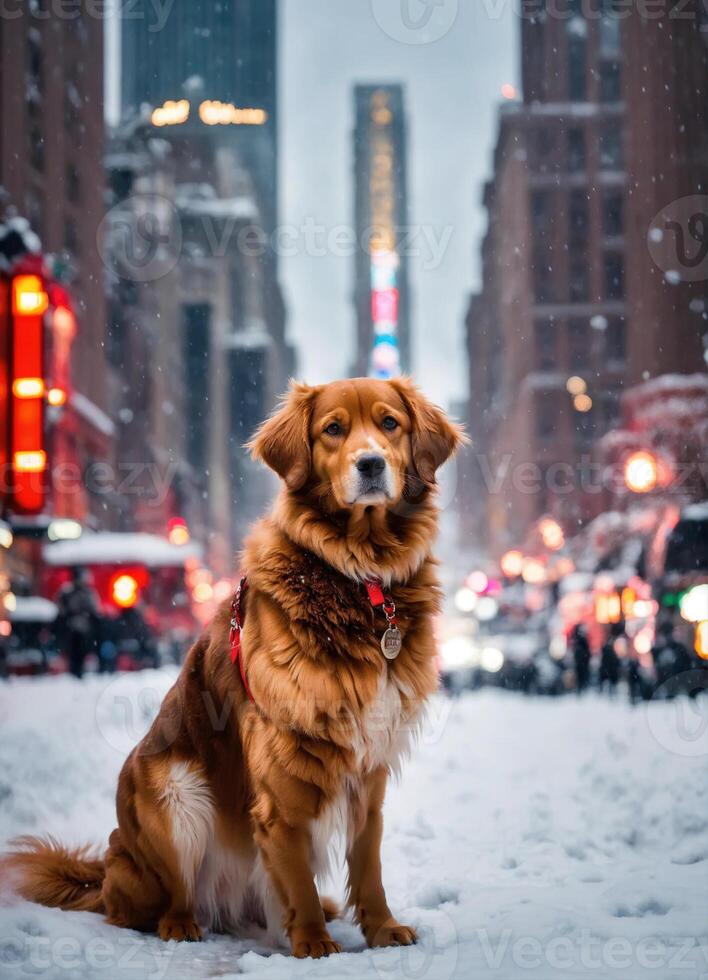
[(564, 321), (51, 207), (205, 83), (51, 158), (381, 288), (191, 308)]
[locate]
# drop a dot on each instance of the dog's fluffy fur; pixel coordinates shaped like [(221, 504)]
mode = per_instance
[(226, 809)]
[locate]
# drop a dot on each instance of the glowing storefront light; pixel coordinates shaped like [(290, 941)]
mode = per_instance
[(215, 113), (211, 112), (171, 113)]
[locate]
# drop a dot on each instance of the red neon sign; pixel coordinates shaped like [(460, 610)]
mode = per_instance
[(29, 460)]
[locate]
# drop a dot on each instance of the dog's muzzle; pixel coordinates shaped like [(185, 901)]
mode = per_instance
[(372, 476)]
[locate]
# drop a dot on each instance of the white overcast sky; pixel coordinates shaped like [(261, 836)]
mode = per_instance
[(452, 90)]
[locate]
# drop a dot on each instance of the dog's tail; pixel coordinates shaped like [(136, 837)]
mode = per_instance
[(41, 870), (330, 908)]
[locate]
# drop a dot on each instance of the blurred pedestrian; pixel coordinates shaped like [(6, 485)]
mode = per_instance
[(609, 664), (581, 657), (634, 679), (78, 619), (134, 640), (672, 659)]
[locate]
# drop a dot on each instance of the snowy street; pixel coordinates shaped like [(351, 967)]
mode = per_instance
[(533, 838)]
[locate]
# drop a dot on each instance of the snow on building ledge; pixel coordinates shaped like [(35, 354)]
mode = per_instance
[(114, 548), (92, 414)]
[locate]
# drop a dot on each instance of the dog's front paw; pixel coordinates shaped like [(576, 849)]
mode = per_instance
[(391, 933), (181, 928), (312, 942)]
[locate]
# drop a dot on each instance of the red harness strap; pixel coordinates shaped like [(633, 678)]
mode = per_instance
[(236, 625)]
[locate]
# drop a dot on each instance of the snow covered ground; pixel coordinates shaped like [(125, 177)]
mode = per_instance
[(527, 839)]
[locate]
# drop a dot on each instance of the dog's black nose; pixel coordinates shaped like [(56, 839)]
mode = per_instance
[(371, 465)]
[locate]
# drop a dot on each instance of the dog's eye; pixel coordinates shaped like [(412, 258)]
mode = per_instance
[(390, 423), (334, 429)]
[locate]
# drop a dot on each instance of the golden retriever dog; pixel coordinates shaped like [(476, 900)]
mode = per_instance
[(297, 702)]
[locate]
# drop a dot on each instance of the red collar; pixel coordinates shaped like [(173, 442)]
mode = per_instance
[(374, 590), (377, 597)]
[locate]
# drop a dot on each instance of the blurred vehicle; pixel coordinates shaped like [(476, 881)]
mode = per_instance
[(471, 657), (31, 645), (141, 582)]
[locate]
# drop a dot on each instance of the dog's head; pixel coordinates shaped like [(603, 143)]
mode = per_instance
[(360, 442)]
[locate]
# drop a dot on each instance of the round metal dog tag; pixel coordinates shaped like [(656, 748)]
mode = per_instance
[(391, 643)]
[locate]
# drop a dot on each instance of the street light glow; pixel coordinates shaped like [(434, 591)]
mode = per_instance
[(576, 385), (512, 563), (694, 604), (125, 590), (641, 473), (465, 599), (582, 403), (551, 534)]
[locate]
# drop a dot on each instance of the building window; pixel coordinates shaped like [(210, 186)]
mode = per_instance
[(73, 183), (610, 81), (613, 214), (71, 236), (542, 278), (577, 68), (546, 416), (196, 334), (540, 212), (576, 149), (71, 114), (36, 148), (611, 410), (614, 276), (544, 143), (34, 64), (578, 344), (584, 427), (611, 147), (616, 342), (578, 218), (546, 338), (579, 281), (610, 27), (247, 409)]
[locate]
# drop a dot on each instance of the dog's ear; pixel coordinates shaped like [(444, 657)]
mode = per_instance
[(434, 438), (283, 441)]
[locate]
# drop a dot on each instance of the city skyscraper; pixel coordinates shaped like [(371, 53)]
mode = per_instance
[(220, 53), (381, 292), (574, 308), (205, 82)]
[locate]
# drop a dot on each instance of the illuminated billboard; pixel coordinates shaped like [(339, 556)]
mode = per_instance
[(381, 288)]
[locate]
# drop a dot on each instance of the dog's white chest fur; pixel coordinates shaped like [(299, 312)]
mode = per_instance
[(384, 731), (382, 738)]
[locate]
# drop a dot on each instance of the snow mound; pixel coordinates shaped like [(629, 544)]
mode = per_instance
[(526, 839)]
